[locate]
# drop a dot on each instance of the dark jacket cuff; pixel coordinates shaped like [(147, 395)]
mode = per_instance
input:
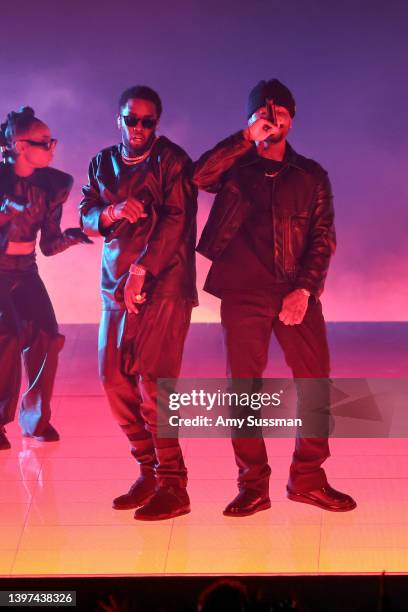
[(305, 283), (91, 222)]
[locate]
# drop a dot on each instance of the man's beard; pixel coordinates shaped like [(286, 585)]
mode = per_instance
[(275, 139), (139, 150)]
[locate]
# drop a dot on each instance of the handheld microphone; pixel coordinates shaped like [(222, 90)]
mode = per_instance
[(144, 196)]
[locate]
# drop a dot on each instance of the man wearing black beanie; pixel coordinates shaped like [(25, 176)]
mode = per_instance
[(271, 90), (270, 236)]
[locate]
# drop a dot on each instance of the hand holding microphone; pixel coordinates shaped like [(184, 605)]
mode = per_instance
[(131, 209), (262, 123), (76, 236)]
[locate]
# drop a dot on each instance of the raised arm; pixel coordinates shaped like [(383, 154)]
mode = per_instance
[(210, 168)]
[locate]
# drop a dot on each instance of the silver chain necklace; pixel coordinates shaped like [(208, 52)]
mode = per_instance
[(131, 161)]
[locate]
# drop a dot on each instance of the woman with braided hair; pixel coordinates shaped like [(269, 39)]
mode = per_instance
[(31, 199)]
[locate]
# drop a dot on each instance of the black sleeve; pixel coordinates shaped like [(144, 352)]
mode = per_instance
[(322, 240), (92, 205), (52, 239), (212, 165)]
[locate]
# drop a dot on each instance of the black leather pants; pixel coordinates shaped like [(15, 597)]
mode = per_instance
[(27, 326), (134, 351)]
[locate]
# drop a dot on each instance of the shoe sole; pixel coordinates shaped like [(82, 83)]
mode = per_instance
[(305, 500), (263, 506), (39, 438), (163, 517), (134, 505)]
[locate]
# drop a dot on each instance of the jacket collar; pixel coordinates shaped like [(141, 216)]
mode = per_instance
[(7, 173), (291, 158)]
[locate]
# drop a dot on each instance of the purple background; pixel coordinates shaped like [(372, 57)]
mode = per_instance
[(345, 63)]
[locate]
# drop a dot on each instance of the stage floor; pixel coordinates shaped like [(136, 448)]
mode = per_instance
[(55, 498)]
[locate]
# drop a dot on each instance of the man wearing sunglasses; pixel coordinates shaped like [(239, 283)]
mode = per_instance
[(270, 236), (140, 199)]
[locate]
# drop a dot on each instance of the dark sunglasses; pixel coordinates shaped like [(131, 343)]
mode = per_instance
[(46, 145), (133, 121)]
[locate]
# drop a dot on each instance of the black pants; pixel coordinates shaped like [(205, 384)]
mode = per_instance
[(27, 326), (248, 322), (134, 351)]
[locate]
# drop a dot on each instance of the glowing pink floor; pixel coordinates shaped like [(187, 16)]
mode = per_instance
[(55, 498)]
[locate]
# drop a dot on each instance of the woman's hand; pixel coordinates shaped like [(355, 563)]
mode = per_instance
[(77, 236)]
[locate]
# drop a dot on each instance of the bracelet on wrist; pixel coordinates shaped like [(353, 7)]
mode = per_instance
[(110, 213)]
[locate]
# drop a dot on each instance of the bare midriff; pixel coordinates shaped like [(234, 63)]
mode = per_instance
[(20, 248)]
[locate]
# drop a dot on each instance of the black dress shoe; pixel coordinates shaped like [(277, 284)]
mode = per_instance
[(139, 494), (50, 434), (326, 498), (167, 502), (4, 441), (248, 501)]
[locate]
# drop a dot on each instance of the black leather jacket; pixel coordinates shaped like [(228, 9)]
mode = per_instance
[(45, 191), (164, 242), (304, 235)]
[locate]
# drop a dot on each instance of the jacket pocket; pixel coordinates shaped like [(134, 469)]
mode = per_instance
[(298, 228), (223, 222)]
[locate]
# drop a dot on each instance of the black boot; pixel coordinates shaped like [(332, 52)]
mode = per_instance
[(248, 501), (50, 434), (139, 493), (4, 441), (326, 498), (167, 502)]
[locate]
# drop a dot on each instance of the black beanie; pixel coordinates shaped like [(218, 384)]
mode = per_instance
[(271, 90)]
